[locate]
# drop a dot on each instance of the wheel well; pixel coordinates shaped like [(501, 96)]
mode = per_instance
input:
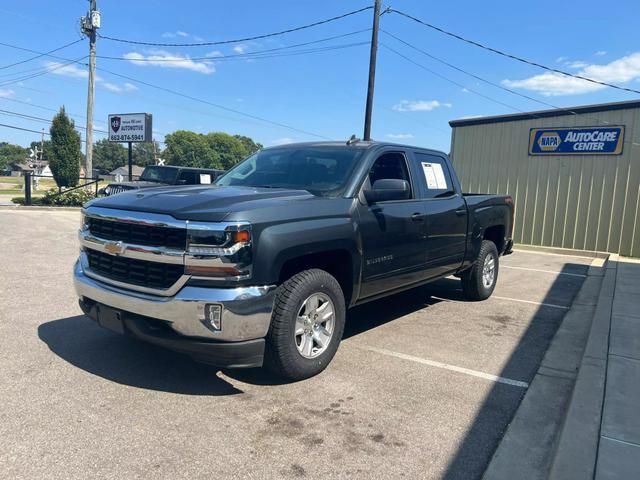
[(336, 262), (496, 235)]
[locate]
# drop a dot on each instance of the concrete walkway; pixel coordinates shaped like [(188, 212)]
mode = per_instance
[(619, 443), (601, 434)]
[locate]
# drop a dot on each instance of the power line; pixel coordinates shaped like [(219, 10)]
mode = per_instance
[(433, 72), (531, 114), (222, 107), (477, 77), (173, 92), (41, 55), (236, 56), (511, 56), (39, 119), (42, 72), (238, 40), (23, 129)]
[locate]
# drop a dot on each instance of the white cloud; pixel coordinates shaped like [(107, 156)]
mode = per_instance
[(282, 141), (622, 70), (577, 64), (240, 48), (180, 33), (6, 92), (177, 33), (71, 70), (130, 87), (112, 87), (465, 90), (419, 105), (399, 136), (561, 59), (168, 35), (168, 60), (215, 53), (600, 53)]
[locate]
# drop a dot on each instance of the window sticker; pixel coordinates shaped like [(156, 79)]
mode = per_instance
[(205, 179), (434, 175)]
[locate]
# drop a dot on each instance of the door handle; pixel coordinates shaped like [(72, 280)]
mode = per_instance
[(461, 212), (417, 217)]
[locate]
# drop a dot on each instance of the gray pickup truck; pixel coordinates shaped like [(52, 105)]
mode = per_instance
[(159, 175), (260, 267)]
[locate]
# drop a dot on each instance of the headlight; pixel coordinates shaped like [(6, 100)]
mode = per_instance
[(84, 222), (222, 254)]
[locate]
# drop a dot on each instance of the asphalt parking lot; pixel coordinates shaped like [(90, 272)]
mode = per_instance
[(423, 385)]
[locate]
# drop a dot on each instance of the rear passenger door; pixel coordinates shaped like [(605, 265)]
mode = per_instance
[(446, 215)]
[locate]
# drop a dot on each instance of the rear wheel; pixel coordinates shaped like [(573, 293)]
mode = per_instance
[(306, 326), (479, 281)]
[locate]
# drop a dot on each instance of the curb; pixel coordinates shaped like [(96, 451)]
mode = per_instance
[(577, 448), (561, 251)]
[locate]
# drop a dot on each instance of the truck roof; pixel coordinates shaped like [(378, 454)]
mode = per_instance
[(363, 144)]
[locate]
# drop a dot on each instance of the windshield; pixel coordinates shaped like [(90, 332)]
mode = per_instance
[(159, 174), (320, 170)]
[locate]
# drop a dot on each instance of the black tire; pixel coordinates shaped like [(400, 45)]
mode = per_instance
[(281, 355), (472, 281)]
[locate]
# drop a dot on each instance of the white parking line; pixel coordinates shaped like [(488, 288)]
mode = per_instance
[(544, 271), (446, 366), (551, 305)]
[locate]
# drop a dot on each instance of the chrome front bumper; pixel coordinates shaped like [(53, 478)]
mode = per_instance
[(246, 311)]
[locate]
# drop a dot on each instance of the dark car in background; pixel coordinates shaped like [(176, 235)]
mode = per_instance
[(162, 175)]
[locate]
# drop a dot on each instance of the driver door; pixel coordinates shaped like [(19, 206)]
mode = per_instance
[(393, 232)]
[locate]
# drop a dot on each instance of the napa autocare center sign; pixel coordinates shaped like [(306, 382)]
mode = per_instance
[(576, 141), (130, 127)]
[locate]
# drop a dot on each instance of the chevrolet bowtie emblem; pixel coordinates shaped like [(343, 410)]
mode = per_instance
[(114, 248)]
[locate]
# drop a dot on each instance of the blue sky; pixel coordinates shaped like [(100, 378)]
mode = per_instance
[(323, 92)]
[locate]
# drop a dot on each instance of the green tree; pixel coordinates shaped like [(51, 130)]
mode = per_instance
[(108, 156), (65, 150), (189, 149), (10, 154), (145, 153), (230, 150), (249, 145)]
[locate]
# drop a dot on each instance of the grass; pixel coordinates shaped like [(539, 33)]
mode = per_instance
[(18, 185)]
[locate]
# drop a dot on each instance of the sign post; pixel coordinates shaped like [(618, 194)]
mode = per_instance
[(130, 128)]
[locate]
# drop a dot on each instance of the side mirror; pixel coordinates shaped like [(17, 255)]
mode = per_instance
[(387, 189)]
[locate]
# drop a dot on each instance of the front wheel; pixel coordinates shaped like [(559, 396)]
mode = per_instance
[(479, 281), (306, 326)]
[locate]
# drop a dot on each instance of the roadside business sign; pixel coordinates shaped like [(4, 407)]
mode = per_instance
[(576, 141), (130, 127)]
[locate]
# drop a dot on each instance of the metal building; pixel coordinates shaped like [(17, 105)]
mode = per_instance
[(574, 173)]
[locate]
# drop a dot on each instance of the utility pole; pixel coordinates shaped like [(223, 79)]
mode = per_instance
[(90, 25), (372, 70), (42, 146)]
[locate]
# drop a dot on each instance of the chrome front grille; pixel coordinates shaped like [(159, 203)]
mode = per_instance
[(137, 234), (135, 272)]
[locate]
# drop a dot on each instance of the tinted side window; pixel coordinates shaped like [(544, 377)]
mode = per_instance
[(392, 166), (437, 177), (189, 177)]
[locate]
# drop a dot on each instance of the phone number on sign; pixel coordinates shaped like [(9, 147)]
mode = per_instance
[(125, 137)]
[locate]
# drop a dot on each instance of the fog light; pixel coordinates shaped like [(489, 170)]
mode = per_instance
[(211, 316)]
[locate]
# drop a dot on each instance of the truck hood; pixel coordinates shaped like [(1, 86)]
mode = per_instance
[(136, 184), (200, 203)]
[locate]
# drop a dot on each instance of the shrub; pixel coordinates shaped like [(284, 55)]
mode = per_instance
[(74, 198)]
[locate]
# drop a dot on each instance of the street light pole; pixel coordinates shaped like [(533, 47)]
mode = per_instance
[(372, 70)]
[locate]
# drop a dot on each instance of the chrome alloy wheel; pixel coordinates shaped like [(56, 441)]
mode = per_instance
[(489, 271), (314, 325)]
